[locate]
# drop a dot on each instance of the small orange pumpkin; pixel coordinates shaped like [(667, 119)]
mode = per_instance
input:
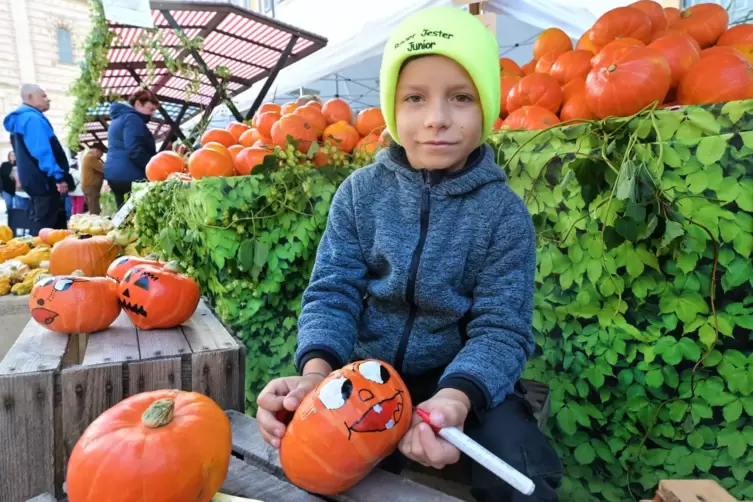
[(313, 116), (705, 22), (571, 65), (545, 62), (220, 136), (538, 89), (52, 235), (208, 162), (620, 23), (551, 40), (74, 303), (342, 135), (716, 79), (531, 117), (297, 128), (509, 67), (159, 445), (250, 158), (343, 428), (248, 138), (163, 164), (585, 43), (90, 254), (680, 52), (265, 121), (158, 297), (237, 129), (336, 110), (654, 11), (528, 68), (370, 121), (120, 266)]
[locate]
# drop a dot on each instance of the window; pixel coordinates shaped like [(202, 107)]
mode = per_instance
[(65, 46)]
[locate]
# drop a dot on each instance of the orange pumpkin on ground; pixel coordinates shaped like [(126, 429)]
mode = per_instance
[(265, 121), (220, 136), (90, 254), (654, 11), (250, 137), (506, 84), (740, 34), (509, 67), (571, 65), (529, 67), (250, 158), (551, 40), (705, 22), (73, 303), (342, 135), (368, 144), (314, 117), (611, 88), (715, 79), (288, 108), (145, 430), (120, 266), (536, 89), (344, 427), (576, 108), (336, 110), (158, 297), (370, 121), (575, 86), (52, 235), (532, 118), (297, 128), (208, 162), (237, 129), (544, 64), (163, 164), (585, 43), (621, 22), (680, 52)]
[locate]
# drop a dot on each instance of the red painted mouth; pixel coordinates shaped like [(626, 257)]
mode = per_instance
[(43, 316), (383, 416)]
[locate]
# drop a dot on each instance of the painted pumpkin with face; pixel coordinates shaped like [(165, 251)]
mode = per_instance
[(120, 266), (74, 303), (158, 297), (351, 421)]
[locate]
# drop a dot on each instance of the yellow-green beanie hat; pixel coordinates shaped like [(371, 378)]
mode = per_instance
[(449, 32)]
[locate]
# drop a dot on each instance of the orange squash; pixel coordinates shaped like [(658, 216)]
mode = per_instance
[(370, 121), (367, 145), (545, 62), (248, 138), (705, 22), (529, 67), (297, 128), (208, 162), (314, 117), (250, 158), (576, 108), (715, 79), (160, 445), (342, 135), (336, 110), (217, 147), (740, 34), (654, 11), (120, 266), (351, 421), (551, 40), (264, 108), (615, 45), (288, 108), (158, 297), (571, 65), (509, 67), (621, 22), (265, 121), (506, 84), (163, 164), (536, 89), (237, 129), (531, 118), (90, 254), (52, 235), (585, 43), (220, 136), (680, 52), (575, 86)]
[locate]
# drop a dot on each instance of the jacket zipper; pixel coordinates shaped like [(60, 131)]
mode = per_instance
[(410, 292)]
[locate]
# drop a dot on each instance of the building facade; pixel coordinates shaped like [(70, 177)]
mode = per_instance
[(40, 42)]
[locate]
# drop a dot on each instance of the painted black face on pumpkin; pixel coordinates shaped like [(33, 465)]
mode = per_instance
[(137, 289), (44, 297)]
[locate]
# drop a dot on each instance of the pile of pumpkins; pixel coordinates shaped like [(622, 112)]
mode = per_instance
[(631, 57), (237, 149), (24, 259)]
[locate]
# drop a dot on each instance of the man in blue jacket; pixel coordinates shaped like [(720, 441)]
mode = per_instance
[(42, 163)]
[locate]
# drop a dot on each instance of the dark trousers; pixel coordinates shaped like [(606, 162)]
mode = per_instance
[(119, 189), (509, 431), (47, 211)]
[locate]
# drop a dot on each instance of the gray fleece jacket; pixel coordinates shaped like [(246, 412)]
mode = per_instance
[(425, 271)]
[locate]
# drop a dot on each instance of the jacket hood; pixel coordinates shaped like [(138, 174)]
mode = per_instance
[(120, 109), (14, 121), (480, 169)]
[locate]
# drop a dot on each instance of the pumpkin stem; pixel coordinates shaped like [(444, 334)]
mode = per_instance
[(152, 256), (159, 414), (84, 236), (172, 266), (611, 68), (78, 273)]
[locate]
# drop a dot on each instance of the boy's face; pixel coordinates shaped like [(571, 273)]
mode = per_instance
[(438, 113)]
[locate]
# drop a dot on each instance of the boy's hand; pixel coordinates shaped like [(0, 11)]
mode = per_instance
[(448, 407), (280, 395)]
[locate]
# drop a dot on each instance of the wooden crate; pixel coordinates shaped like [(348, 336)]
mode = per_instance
[(691, 490), (53, 386)]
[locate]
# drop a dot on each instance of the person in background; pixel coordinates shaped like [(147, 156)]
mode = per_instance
[(43, 168), (130, 142), (92, 176), (76, 197), (7, 180)]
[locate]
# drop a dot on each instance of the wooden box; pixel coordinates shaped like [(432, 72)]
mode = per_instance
[(53, 386)]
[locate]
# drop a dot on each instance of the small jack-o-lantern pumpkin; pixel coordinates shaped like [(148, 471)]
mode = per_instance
[(120, 266), (158, 297), (74, 303), (351, 421)]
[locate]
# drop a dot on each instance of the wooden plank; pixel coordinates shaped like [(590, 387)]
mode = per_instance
[(27, 443), (205, 332), (118, 343), (162, 343), (153, 375), (36, 349), (87, 391), (244, 480), (217, 374), (692, 491), (377, 487)]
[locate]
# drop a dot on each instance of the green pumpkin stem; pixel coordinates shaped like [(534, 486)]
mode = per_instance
[(152, 256), (172, 266), (159, 414), (78, 273)]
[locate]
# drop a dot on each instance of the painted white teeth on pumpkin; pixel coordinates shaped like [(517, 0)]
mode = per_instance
[(390, 424), (378, 408)]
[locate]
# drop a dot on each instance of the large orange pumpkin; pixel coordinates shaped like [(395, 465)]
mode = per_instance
[(715, 79), (90, 254), (654, 11), (73, 303), (217, 147), (576, 108), (509, 67), (506, 83), (705, 22), (297, 128), (248, 138), (531, 117), (237, 129), (672, 13), (551, 40), (342, 135), (722, 49), (314, 117), (220, 136), (343, 428), (163, 164), (370, 121), (740, 34), (624, 84), (607, 51), (336, 110), (575, 86), (158, 297), (620, 23), (265, 121), (585, 43), (250, 158), (536, 89), (571, 65), (160, 445), (545, 62), (120, 266), (264, 108), (680, 52), (207, 162)]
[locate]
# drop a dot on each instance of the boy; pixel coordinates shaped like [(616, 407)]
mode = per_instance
[(427, 263)]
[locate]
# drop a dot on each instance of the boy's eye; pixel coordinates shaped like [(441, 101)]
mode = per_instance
[(413, 98), (464, 98)]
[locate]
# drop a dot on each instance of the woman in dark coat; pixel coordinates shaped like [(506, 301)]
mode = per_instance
[(7, 182), (130, 143)]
